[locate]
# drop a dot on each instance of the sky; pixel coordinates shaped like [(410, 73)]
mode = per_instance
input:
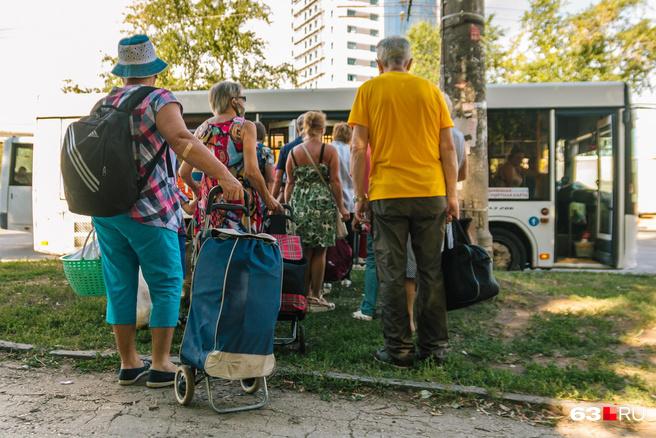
[(44, 42)]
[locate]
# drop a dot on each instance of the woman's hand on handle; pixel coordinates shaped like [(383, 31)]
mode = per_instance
[(273, 205), (232, 188)]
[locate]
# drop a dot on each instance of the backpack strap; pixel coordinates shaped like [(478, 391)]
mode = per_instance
[(323, 147), (150, 166), (135, 98), (236, 129), (293, 158), (128, 105), (98, 105)]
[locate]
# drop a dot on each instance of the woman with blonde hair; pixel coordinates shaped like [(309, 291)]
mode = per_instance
[(232, 139), (313, 187)]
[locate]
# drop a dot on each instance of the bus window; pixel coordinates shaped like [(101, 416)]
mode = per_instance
[(21, 169), (518, 154)]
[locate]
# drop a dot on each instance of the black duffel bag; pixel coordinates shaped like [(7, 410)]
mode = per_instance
[(293, 276), (467, 268)]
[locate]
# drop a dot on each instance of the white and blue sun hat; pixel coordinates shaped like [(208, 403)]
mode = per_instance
[(137, 58)]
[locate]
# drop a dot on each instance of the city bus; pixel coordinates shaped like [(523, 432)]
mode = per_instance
[(16, 183), (562, 189)]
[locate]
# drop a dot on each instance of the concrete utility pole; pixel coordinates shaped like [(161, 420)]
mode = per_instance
[(463, 79)]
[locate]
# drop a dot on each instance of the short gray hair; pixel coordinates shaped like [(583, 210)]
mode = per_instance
[(393, 51), (221, 94), (299, 122)]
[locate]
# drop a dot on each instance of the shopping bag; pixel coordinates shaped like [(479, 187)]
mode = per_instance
[(467, 269)]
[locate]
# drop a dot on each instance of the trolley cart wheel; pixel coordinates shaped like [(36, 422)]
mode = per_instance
[(301, 339), (184, 385), (251, 386)]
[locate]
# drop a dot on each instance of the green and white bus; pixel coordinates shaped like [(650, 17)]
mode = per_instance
[(561, 161)]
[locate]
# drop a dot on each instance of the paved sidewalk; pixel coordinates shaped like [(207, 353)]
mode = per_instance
[(646, 253), (48, 402), (17, 245), (42, 402), (55, 402)]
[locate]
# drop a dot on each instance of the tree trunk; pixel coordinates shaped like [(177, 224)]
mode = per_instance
[(463, 79)]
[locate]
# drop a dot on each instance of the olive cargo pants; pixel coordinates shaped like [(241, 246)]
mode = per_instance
[(424, 219)]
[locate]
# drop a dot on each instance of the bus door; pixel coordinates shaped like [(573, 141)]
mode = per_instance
[(585, 187), (604, 226), (19, 188)]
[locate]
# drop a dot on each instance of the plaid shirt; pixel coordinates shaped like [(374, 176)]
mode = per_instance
[(158, 204)]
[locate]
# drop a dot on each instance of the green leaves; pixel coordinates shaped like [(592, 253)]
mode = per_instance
[(604, 42), (426, 43), (206, 41), (608, 41)]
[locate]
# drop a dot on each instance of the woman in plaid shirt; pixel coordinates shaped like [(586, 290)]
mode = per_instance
[(146, 236)]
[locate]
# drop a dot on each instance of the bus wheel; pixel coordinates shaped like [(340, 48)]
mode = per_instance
[(509, 251)]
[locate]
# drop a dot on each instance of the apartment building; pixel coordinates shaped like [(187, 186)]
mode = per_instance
[(334, 41)]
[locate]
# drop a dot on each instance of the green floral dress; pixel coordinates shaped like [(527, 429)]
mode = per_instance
[(314, 207)]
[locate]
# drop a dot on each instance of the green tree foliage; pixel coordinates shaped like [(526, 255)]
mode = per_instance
[(206, 41), (426, 43), (607, 41), (496, 54), (203, 41)]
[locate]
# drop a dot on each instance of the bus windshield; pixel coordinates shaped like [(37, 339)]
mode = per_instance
[(518, 153)]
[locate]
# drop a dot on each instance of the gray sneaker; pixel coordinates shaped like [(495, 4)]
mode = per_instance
[(383, 356)]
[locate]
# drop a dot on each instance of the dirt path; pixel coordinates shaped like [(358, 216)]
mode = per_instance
[(62, 401)]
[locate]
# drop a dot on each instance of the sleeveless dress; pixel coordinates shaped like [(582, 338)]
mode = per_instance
[(313, 204), (224, 141)]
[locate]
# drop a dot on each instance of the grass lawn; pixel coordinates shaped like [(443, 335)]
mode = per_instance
[(586, 336)]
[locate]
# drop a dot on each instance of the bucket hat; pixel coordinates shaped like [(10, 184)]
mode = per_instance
[(137, 58)]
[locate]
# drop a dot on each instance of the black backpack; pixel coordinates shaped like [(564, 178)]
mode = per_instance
[(98, 160), (467, 269)]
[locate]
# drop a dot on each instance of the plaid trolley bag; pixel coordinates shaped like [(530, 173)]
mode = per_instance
[(293, 307), (235, 297)]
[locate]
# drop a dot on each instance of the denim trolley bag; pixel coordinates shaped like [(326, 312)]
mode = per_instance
[(235, 299)]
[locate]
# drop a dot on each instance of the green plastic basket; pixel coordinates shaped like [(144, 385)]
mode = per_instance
[(84, 275)]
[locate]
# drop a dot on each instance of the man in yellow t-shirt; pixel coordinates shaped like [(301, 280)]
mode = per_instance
[(412, 189)]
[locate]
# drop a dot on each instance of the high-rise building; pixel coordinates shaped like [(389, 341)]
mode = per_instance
[(334, 41)]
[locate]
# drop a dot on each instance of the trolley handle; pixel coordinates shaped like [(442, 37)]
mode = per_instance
[(218, 190), (288, 208), (288, 215)]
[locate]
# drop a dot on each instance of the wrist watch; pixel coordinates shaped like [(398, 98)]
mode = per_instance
[(362, 198)]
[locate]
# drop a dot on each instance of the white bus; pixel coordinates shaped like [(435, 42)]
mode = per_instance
[(562, 191), (16, 183)]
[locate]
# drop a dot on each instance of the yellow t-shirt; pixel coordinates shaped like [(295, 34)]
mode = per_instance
[(404, 114)]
